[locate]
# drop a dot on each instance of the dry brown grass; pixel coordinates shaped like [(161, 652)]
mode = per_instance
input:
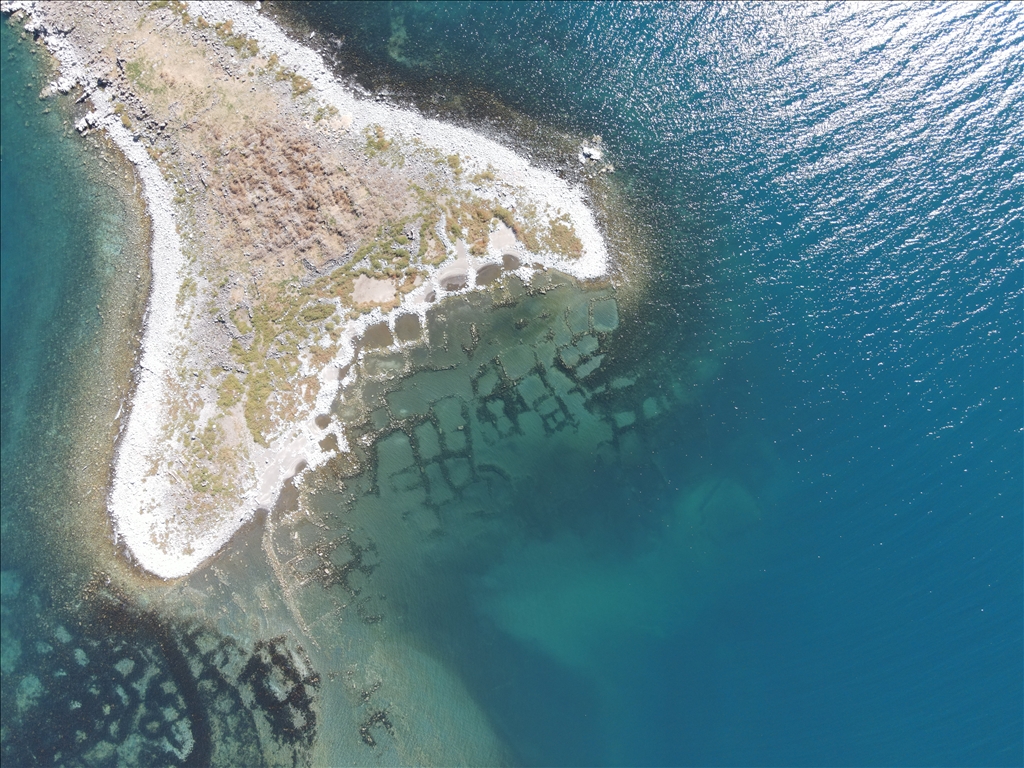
[(280, 202)]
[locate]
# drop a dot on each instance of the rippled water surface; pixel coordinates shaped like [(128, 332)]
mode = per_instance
[(765, 511), (834, 195)]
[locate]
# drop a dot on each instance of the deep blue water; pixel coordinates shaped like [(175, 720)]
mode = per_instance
[(834, 194), (830, 198)]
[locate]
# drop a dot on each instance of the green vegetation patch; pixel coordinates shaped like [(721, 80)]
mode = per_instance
[(208, 461), (300, 85), (379, 146), (562, 239), (241, 320), (376, 140), (244, 46), (186, 291), (286, 318), (387, 252), (230, 392), (260, 387), (317, 313), (324, 112), (484, 176), (176, 6), (141, 74)]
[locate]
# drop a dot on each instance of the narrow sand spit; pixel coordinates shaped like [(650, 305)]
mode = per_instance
[(147, 493)]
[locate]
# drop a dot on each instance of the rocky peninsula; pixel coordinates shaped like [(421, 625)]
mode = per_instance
[(295, 225)]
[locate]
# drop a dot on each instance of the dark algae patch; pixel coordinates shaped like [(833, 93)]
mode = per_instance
[(283, 683), (116, 689), (378, 719), (130, 687)]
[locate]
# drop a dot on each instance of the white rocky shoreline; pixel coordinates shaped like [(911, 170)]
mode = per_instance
[(139, 502)]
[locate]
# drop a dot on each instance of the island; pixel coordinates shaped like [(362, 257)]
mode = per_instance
[(296, 226)]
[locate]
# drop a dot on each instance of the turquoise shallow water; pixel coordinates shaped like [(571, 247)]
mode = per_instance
[(806, 547), (51, 286), (73, 286)]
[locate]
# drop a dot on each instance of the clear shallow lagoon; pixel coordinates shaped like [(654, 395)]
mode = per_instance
[(804, 548)]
